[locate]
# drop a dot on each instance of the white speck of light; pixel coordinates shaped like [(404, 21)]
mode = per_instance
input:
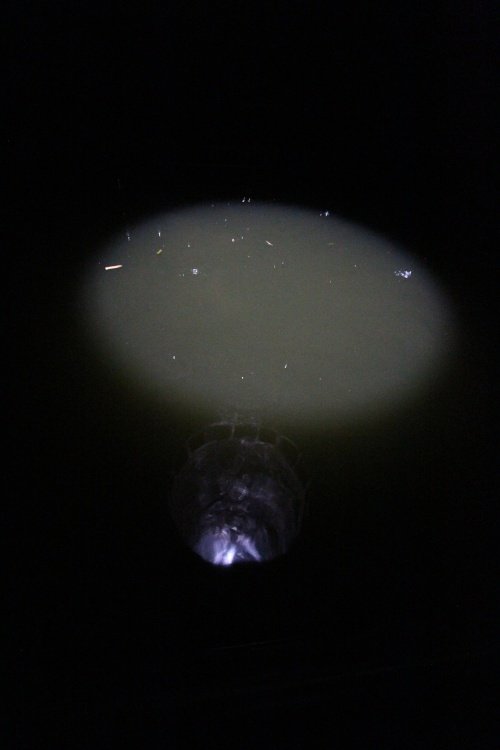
[(112, 268), (128, 236), (403, 274), (233, 239), (173, 356), (159, 233), (269, 243), (286, 365), (194, 271)]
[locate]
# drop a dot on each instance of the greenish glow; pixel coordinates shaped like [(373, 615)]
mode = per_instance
[(283, 312)]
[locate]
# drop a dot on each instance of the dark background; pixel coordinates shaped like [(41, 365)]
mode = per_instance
[(379, 629)]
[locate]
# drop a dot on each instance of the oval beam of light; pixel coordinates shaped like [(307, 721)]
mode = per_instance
[(281, 312)]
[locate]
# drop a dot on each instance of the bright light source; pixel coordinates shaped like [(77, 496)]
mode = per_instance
[(224, 547)]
